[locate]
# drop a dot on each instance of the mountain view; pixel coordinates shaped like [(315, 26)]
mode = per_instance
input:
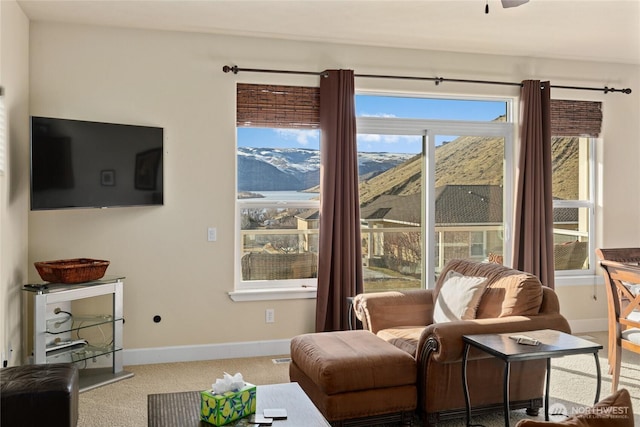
[(466, 160), (297, 169)]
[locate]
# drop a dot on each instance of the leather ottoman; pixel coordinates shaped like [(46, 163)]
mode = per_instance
[(354, 377), (38, 395)]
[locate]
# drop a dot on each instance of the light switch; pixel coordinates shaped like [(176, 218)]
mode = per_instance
[(212, 234)]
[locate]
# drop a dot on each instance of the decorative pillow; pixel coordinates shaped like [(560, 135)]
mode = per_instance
[(511, 293), (614, 411), (458, 297)]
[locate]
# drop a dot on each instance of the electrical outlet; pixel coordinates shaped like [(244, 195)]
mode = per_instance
[(212, 234), (270, 315)]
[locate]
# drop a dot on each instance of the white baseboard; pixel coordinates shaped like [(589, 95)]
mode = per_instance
[(191, 353), (588, 325)]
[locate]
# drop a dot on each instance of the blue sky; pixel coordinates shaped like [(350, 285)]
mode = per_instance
[(380, 106)]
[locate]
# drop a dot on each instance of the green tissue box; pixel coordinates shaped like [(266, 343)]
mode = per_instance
[(221, 409)]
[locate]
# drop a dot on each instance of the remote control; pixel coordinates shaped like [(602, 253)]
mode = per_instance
[(65, 345), (523, 339), (37, 286)]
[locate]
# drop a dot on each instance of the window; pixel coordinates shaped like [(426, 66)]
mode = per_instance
[(278, 206), (477, 244), (278, 180), (446, 185), (574, 126), (573, 207), (411, 176), (436, 184)]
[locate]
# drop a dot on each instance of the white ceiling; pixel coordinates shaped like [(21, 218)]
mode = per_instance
[(594, 30)]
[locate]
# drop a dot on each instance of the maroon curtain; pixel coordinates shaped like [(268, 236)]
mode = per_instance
[(339, 252), (533, 225)]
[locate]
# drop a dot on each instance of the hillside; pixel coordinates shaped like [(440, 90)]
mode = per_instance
[(471, 160), (467, 160)]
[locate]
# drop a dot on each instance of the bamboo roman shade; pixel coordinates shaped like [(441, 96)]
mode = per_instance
[(276, 106), (575, 118), (298, 107)]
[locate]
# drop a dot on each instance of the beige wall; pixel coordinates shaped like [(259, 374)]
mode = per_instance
[(14, 183), (174, 80)]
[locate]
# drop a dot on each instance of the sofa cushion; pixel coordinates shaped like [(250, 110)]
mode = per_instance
[(614, 411), (509, 292), (458, 297), (511, 295), (404, 337)]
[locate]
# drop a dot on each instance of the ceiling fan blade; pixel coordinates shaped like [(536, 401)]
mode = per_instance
[(513, 3)]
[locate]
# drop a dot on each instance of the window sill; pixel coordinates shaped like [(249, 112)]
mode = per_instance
[(579, 280), (272, 294)]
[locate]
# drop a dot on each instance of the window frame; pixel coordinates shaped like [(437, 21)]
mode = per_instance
[(428, 129), (288, 284), (564, 277)]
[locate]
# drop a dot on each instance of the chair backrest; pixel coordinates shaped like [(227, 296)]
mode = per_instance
[(619, 254), (509, 292), (623, 296), (623, 280)]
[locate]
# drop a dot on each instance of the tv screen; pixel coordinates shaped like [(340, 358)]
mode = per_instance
[(82, 164)]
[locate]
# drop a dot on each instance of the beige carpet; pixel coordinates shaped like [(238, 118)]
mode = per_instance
[(124, 403)]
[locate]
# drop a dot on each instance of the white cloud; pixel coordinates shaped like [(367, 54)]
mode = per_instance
[(301, 136), (385, 115), (386, 139)]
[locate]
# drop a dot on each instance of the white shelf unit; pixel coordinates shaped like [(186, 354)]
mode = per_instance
[(47, 327)]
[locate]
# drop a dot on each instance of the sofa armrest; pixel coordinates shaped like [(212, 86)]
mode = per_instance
[(444, 340), (550, 303), (382, 310)]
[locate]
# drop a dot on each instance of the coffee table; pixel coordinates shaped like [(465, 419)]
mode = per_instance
[(552, 344), (183, 409)]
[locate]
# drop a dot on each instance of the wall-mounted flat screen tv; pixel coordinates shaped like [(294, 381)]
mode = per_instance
[(83, 164)]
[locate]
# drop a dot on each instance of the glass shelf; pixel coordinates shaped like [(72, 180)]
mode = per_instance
[(66, 323), (80, 354), (91, 330), (47, 287)]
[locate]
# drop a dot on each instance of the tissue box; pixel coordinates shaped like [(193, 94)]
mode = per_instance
[(221, 409)]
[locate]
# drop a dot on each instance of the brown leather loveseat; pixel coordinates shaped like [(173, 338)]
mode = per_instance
[(510, 301)]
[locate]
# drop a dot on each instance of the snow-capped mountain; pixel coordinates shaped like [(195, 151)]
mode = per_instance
[(294, 169)]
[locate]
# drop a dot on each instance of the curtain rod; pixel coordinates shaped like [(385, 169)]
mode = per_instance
[(235, 70)]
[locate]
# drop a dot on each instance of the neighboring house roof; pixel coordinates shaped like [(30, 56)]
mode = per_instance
[(309, 215), (469, 204), (565, 215), (400, 209), (455, 204)]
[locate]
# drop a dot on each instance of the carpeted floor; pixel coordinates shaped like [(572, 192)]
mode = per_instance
[(124, 403)]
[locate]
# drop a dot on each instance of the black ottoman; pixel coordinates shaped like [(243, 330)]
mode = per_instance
[(37, 395)]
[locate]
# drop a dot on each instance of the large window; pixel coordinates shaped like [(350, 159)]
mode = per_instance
[(436, 183), (447, 200)]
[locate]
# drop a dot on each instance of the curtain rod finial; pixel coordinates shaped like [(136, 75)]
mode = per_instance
[(612, 89), (234, 69)]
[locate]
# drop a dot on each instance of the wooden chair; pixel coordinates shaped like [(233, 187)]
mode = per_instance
[(621, 268)]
